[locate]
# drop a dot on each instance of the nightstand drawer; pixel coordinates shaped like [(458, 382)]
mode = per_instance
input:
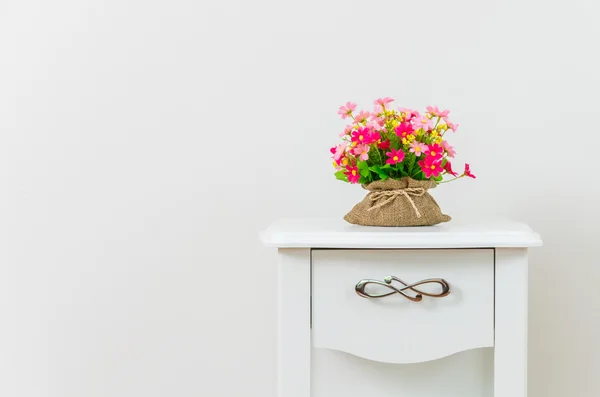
[(370, 303)]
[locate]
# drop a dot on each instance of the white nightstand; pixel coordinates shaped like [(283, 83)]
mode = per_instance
[(419, 312)]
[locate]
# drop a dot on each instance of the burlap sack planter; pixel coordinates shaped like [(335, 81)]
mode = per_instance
[(393, 202)]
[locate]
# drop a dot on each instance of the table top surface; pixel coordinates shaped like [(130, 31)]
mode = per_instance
[(337, 233)]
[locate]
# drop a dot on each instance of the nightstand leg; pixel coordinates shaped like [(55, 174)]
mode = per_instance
[(510, 346), (294, 323)]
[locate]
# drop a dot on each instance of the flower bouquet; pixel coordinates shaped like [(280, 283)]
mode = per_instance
[(397, 155)]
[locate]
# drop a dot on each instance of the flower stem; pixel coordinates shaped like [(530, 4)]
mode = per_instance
[(452, 180)]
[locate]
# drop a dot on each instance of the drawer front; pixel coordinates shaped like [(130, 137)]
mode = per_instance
[(454, 312)]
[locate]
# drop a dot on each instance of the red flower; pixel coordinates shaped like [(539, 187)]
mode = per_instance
[(431, 167), (448, 169), (352, 174), (384, 145), (468, 171), (435, 152)]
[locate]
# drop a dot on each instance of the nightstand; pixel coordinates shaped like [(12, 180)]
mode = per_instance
[(419, 312)]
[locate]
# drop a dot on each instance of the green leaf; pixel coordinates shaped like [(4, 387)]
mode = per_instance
[(380, 171), (341, 176), (401, 170), (364, 180), (363, 168), (418, 176)]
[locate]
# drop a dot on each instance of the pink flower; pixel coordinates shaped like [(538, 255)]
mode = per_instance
[(448, 169), (362, 116), (339, 151), (362, 135), (383, 101), (430, 167), (435, 152), (467, 171), (409, 113), (448, 148), (362, 151), (395, 156), (423, 123), (377, 114), (418, 148), (374, 125), (347, 110), (352, 174), (404, 129), (434, 111), (450, 125), (346, 131), (384, 145)]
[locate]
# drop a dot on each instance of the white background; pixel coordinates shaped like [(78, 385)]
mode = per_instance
[(143, 145)]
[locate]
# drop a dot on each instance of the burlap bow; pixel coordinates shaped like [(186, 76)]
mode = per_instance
[(392, 194)]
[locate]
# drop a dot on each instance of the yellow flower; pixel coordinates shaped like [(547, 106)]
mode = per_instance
[(434, 134), (405, 141), (441, 127), (334, 164), (439, 140), (411, 138), (345, 161)]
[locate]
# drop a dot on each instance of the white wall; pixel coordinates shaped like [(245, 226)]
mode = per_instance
[(144, 143)]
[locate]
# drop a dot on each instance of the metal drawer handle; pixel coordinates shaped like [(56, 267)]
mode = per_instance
[(387, 282)]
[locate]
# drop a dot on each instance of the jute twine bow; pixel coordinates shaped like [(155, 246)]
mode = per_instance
[(392, 194)]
